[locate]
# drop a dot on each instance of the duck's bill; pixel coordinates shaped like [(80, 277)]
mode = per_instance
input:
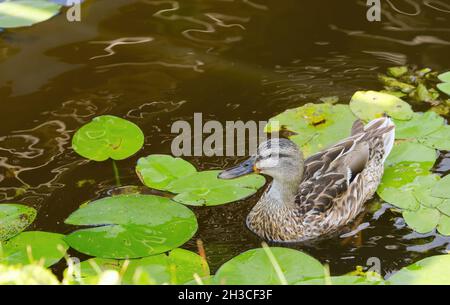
[(245, 168)]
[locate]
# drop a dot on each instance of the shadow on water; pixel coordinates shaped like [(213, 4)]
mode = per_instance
[(155, 62)]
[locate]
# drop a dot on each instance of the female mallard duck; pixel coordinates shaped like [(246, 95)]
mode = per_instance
[(314, 197)]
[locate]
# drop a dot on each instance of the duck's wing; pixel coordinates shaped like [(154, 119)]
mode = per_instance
[(334, 172), (329, 174)]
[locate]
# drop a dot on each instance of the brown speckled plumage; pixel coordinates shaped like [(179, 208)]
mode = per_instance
[(329, 188)]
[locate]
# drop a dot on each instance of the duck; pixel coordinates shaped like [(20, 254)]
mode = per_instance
[(314, 197)]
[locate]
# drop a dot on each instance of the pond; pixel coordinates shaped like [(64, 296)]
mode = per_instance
[(156, 62)]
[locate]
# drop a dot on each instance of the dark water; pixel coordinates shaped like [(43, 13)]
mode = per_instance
[(155, 62)]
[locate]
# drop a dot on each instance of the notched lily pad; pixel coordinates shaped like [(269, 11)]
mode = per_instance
[(254, 267), (368, 105), (131, 226), (106, 137), (14, 218), (158, 171), (191, 187), (429, 271), (20, 13), (423, 220), (315, 126), (34, 246), (176, 267)]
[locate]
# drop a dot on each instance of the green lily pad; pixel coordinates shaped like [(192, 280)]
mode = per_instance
[(108, 137), (254, 267), (443, 226), (429, 271), (26, 275), (368, 105), (194, 188), (14, 218), (176, 267), (316, 126), (445, 77), (411, 152), (131, 226), (444, 87), (420, 125), (204, 188), (397, 184), (422, 190), (342, 280), (20, 13), (444, 207), (422, 220), (442, 188), (439, 139), (43, 246), (158, 171)]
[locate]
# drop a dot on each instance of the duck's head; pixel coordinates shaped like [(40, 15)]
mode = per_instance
[(279, 158)]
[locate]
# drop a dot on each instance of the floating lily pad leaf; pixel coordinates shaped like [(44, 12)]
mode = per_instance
[(397, 184), (368, 105), (412, 152), (26, 275), (317, 126), (394, 93), (20, 13), (445, 77), (204, 188), (439, 139), (420, 125), (44, 246), (422, 220), (422, 191), (429, 271), (14, 218), (108, 137), (342, 280), (157, 171), (442, 188), (444, 207), (443, 226), (176, 267), (66, 2), (253, 267), (444, 87), (131, 226)]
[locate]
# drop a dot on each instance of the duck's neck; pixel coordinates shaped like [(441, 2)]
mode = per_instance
[(281, 193)]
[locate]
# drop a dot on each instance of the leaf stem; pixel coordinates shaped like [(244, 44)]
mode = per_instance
[(116, 173)]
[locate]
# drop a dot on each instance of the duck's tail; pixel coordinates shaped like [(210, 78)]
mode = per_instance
[(385, 128)]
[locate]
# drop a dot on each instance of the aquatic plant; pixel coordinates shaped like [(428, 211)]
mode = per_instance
[(14, 218), (445, 85), (166, 173), (107, 137), (131, 226), (20, 13)]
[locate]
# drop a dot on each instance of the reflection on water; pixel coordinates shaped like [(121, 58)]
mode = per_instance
[(155, 62)]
